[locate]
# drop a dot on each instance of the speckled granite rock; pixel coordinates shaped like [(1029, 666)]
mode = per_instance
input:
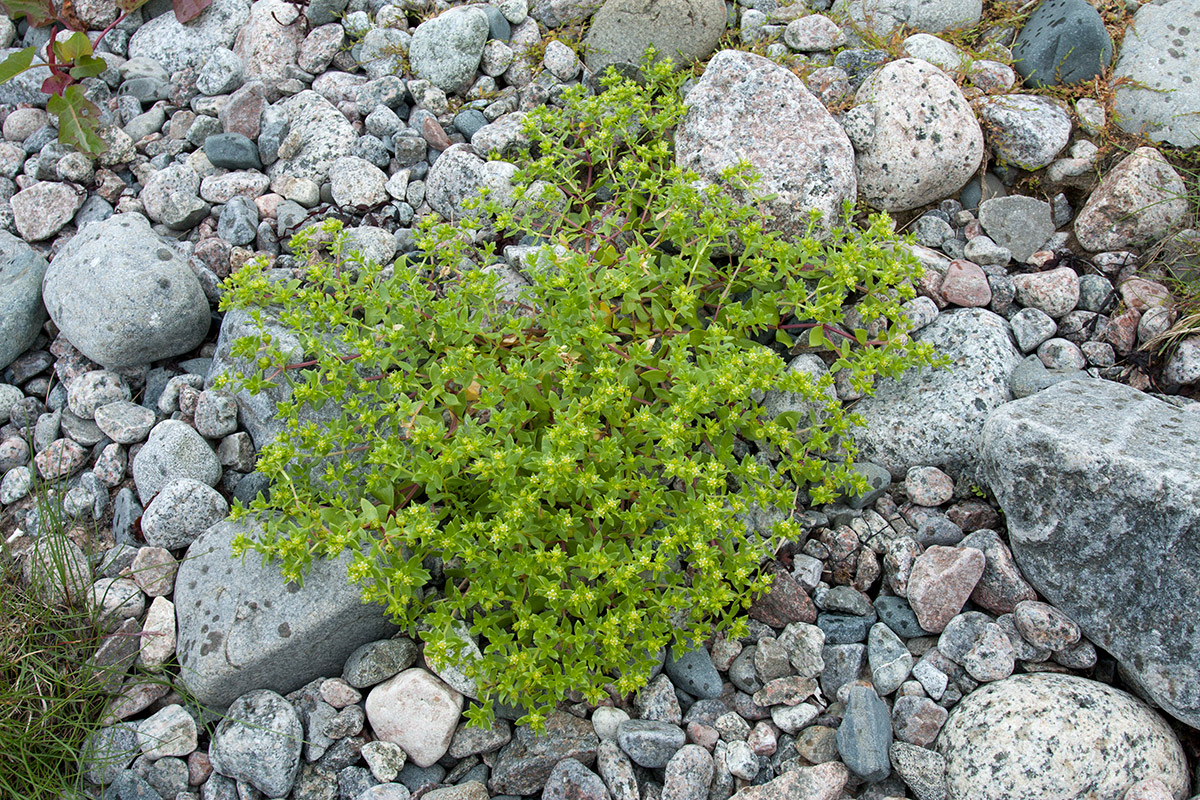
[(935, 416), (1056, 736), (802, 155)]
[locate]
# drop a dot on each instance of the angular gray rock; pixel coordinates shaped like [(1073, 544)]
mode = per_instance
[(21, 309), (1161, 55), (1024, 131), (525, 763), (682, 30), (258, 742), (1140, 200), (123, 296), (934, 417), (1102, 501), (446, 50), (178, 46), (174, 450), (865, 734), (802, 155), (1014, 738), (1021, 224), (242, 626), (318, 134), (925, 144)]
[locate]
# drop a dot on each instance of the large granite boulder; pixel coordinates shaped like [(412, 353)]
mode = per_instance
[(802, 155), (124, 296), (682, 30), (934, 417), (1062, 43), (1099, 486), (243, 627), (1160, 57), (920, 142), (1056, 737), (21, 309), (177, 46)]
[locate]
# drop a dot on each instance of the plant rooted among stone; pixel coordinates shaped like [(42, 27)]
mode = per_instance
[(587, 456)]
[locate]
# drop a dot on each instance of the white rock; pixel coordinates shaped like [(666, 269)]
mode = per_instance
[(416, 711)]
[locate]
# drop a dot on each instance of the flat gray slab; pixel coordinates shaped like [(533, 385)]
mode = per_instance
[(242, 627)]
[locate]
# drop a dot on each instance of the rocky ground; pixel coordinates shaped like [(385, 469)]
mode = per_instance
[(921, 642)]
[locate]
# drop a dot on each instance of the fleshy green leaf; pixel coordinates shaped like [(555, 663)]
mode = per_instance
[(73, 47), (16, 63), (77, 120), (87, 67)]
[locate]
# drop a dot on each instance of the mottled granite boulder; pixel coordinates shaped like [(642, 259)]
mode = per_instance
[(1056, 736), (802, 155)]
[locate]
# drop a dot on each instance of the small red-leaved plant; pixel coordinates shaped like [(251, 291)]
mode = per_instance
[(72, 59)]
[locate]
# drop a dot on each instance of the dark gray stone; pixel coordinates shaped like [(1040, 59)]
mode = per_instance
[(648, 743), (242, 626), (232, 151), (525, 763), (1063, 42), (865, 735), (844, 628), (694, 672), (898, 615), (239, 221), (1102, 501)]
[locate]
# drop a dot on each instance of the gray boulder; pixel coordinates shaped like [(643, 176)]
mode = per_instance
[(934, 417), (924, 142), (259, 743), (1098, 484), (1063, 42), (178, 46), (1061, 736), (21, 310), (243, 627), (682, 30), (1161, 56), (318, 134), (123, 296), (446, 49), (930, 16), (802, 155)]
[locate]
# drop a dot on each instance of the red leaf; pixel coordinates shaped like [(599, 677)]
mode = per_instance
[(188, 10), (57, 83)]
